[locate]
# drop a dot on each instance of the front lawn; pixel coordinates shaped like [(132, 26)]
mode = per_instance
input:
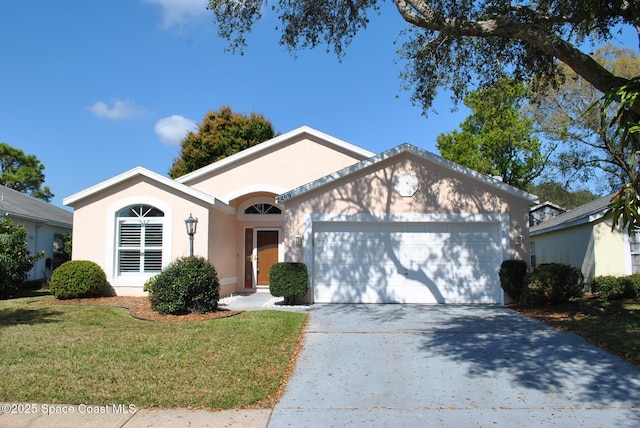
[(103, 356), (612, 325)]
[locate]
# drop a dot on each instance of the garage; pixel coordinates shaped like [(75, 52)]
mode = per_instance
[(407, 262)]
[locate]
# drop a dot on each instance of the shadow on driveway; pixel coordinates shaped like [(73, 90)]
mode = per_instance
[(452, 365)]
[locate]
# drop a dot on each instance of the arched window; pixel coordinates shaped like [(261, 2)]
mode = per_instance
[(139, 247), (263, 209)]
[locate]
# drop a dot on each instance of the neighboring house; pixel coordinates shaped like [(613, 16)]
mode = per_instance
[(46, 226), (582, 237), (543, 212), (402, 226)]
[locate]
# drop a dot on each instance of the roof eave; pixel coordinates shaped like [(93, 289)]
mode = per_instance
[(34, 219), (406, 148), (586, 219), (214, 202)]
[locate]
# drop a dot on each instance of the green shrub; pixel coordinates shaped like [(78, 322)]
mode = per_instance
[(15, 261), (608, 287), (288, 280), (77, 279), (189, 284), (513, 274), (631, 285), (553, 282)]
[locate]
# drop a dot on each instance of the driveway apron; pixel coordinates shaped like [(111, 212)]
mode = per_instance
[(451, 365)]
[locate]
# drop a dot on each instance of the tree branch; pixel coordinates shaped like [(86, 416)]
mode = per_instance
[(419, 13)]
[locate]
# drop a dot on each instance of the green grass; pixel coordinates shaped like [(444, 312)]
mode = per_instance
[(101, 355), (614, 326)]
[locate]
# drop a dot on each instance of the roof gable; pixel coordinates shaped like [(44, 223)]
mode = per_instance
[(281, 140), (18, 205), (406, 148), (587, 213), (153, 176)]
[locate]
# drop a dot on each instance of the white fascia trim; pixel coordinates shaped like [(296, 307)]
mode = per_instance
[(577, 222), (274, 142), (33, 219), (406, 148), (138, 170)]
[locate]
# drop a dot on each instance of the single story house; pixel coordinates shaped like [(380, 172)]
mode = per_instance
[(46, 227), (583, 238), (403, 226)]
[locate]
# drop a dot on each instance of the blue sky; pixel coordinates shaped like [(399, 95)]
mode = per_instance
[(94, 88)]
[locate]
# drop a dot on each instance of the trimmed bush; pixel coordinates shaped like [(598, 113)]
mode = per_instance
[(632, 285), (553, 282), (189, 284), (288, 280), (513, 274), (608, 287), (76, 279)]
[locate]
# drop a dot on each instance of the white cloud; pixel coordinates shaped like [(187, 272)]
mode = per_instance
[(120, 109), (176, 13), (173, 129)]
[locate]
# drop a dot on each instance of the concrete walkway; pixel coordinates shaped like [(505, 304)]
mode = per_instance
[(451, 366), (414, 366)]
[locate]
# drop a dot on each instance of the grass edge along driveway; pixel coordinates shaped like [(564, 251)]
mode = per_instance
[(101, 355)]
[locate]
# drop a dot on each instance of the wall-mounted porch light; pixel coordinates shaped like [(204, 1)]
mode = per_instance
[(297, 240)]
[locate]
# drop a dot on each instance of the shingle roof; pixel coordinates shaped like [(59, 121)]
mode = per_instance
[(15, 204), (588, 212)]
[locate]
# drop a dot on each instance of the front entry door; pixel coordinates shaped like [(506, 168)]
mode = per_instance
[(267, 254)]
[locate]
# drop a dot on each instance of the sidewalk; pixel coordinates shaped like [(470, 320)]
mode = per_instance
[(262, 300), (43, 415)]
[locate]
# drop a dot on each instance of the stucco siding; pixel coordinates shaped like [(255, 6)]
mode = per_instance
[(94, 228), (223, 250), (275, 171)]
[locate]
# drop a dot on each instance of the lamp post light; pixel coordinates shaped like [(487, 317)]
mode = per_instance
[(192, 224)]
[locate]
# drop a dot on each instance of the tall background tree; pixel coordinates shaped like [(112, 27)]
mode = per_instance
[(557, 193), (222, 133), (465, 44), (23, 173), (496, 139), (570, 114)]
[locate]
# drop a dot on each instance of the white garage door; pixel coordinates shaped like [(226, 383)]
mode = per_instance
[(406, 262)]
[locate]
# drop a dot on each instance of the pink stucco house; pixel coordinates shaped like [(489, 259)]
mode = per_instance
[(403, 226)]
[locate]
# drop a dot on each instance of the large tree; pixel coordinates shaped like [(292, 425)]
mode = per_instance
[(222, 133), (458, 45), (452, 43), (23, 173), (590, 149), (558, 194), (496, 139)]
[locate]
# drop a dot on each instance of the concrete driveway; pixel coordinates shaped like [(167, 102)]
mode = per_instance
[(453, 365)]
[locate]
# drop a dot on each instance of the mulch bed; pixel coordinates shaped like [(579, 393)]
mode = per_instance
[(139, 307)]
